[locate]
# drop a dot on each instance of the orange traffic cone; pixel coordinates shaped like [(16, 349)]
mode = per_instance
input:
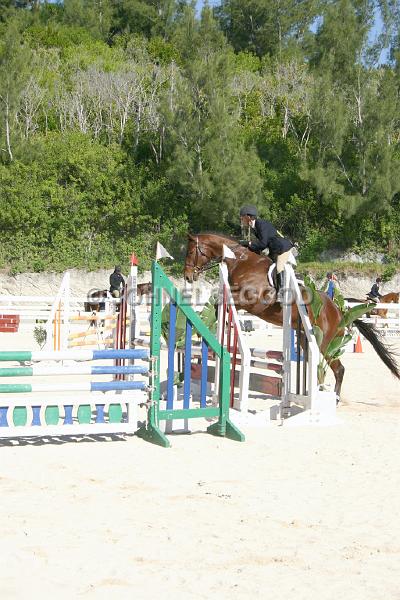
[(358, 345)]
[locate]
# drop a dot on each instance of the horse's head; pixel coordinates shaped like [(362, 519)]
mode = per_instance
[(394, 297), (205, 250), (199, 253)]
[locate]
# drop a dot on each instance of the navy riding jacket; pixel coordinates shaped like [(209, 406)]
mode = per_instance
[(268, 237), (374, 293), (116, 280)]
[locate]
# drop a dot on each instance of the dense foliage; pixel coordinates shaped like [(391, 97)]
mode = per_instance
[(127, 122)]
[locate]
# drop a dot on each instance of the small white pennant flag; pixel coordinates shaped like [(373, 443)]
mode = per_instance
[(161, 252), (227, 252)]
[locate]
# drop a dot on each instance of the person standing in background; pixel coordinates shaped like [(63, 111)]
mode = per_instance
[(331, 285)]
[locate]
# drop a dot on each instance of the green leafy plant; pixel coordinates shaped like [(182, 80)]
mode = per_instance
[(336, 346), (40, 335), (389, 272), (207, 315)]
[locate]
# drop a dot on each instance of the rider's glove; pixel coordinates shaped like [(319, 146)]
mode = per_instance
[(244, 243)]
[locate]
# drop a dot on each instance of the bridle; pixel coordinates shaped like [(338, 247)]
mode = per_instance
[(213, 261)]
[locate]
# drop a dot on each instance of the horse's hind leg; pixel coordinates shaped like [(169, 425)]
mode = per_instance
[(338, 371)]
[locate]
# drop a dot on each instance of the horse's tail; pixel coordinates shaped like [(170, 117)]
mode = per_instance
[(385, 354)]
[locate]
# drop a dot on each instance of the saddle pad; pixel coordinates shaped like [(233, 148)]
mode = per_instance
[(270, 275)]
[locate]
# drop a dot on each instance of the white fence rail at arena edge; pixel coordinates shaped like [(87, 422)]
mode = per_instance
[(389, 325), (34, 310)]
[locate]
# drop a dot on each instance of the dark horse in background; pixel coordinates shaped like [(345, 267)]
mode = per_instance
[(253, 293), (96, 299)]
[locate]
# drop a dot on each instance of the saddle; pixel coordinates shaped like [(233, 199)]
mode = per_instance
[(272, 271)]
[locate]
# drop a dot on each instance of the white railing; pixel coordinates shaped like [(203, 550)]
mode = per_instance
[(57, 326), (225, 301), (319, 405), (292, 295), (33, 309), (392, 322)]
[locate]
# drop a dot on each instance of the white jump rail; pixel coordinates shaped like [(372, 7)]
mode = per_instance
[(319, 406), (245, 354)]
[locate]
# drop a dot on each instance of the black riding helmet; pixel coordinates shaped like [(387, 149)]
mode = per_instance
[(249, 210)]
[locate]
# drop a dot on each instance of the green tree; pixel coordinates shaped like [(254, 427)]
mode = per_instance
[(15, 59), (72, 203), (266, 27), (93, 15), (352, 159), (210, 165), (147, 17)]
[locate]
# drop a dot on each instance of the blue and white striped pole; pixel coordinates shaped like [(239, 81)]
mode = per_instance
[(91, 386), (85, 369), (78, 355)]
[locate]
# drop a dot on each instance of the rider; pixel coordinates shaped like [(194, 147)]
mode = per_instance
[(267, 237), (116, 282), (374, 294)]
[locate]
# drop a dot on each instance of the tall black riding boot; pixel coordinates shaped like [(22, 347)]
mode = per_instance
[(279, 287)]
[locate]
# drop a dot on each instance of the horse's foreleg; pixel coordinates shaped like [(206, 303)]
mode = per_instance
[(338, 371)]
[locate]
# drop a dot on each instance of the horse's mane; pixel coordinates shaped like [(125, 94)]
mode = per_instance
[(229, 238)]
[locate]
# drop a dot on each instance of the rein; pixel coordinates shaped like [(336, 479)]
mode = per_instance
[(212, 261)]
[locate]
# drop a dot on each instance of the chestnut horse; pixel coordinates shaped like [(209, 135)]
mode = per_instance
[(252, 292), (390, 298)]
